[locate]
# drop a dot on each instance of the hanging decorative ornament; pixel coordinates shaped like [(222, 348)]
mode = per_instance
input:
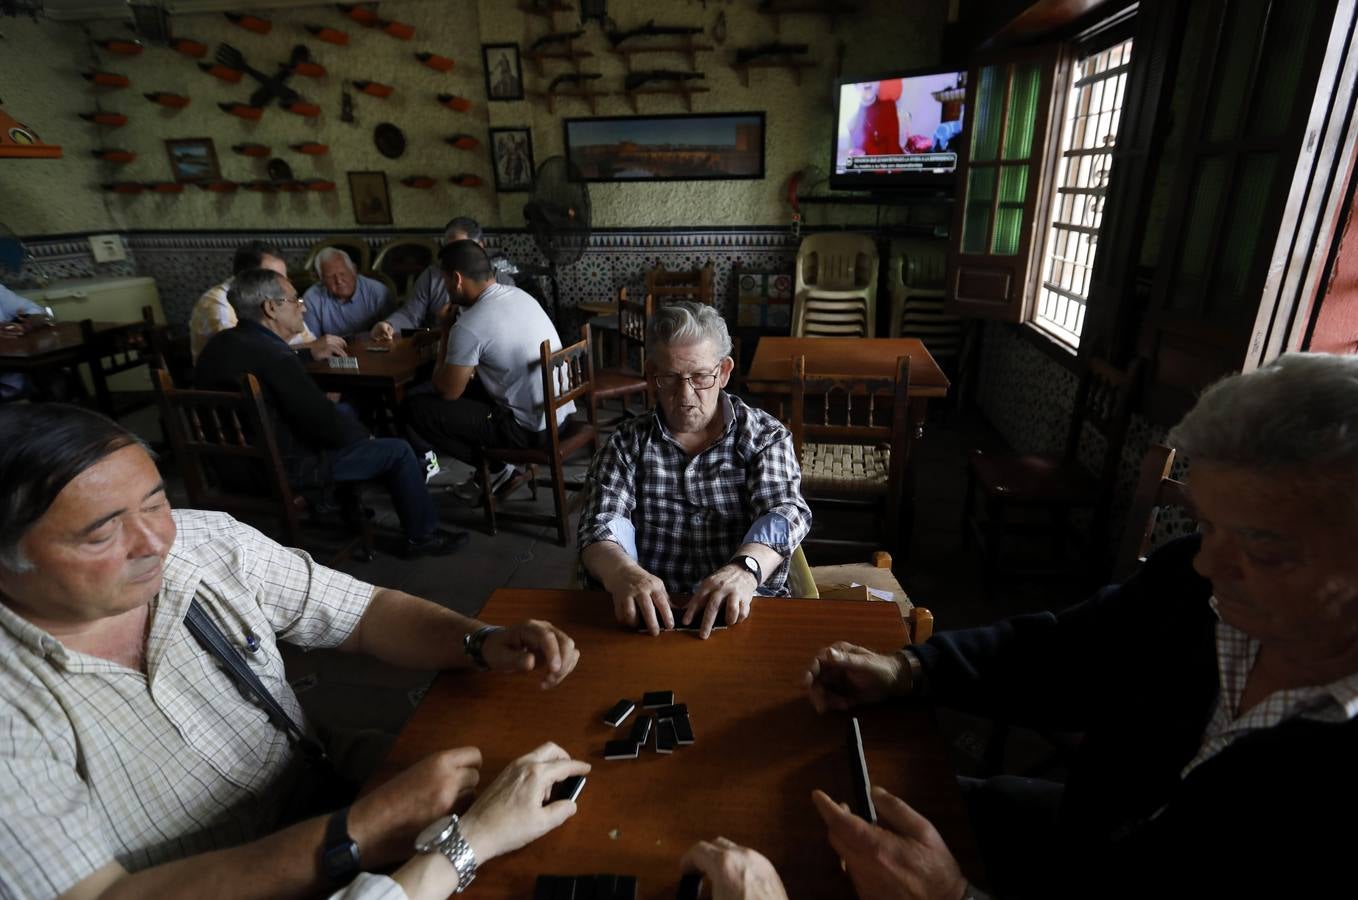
[(219, 187), (225, 73), (329, 35), (463, 141), (311, 148), (435, 62), (250, 23), (105, 119), (374, 89), (302, 108), (256, 150), (121, 157), (346, 106), (454, 102), (122, 47), (361, 14), (165, 187), (467, 180), (389, 140), (171, 101), (190, 48), (310, 69), (244, 111), (422, 182), (107, 79), (399, 30)]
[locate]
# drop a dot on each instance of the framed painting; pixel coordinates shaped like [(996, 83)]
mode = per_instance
[(686, 147), (193, 159), (504, 73), (372, 203), (511, 151)]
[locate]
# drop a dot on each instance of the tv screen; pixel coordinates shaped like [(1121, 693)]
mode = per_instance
[(901, 131)]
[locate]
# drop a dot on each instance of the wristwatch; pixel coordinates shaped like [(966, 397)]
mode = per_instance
[(749, 564), (339, 852), (445, 836), (474, 640)]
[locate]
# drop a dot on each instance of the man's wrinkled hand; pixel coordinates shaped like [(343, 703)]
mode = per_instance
[(844, 675), (728, 591), (640, 598), (511, 812), (532, 646), (385, 821), (328, 345), (904, 856), (733, 872), (383, 331)]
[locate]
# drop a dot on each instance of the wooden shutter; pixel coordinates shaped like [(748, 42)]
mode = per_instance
[(1001, 180)]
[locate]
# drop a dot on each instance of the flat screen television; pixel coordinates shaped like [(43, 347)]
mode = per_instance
[(901, 131)]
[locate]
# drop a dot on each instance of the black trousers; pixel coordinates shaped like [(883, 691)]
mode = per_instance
[(1016, 825), (461, 427)]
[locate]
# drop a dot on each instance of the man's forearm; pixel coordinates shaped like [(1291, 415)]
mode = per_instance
[(409, 631), (606, 560), (767, 557)]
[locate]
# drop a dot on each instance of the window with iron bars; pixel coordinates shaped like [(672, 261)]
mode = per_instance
[(1093, 113)]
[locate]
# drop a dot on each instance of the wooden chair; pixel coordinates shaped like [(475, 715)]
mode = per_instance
[(567, 376), (355, 246), (115, 350), (666, 286), (825, 583), (835, 291), (1155, 491), (386, 280), (623, 380), (224, 446), (851, 459), (1051, 487), (403, 259)]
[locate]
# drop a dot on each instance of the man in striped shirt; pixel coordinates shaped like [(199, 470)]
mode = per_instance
[(131, 764)]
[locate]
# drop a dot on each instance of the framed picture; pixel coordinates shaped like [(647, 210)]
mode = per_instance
[(372, 203), (684, 147), (193, 159), (511, 151), (504, 75)]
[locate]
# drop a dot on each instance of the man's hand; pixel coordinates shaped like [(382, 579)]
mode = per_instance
[(510, 813), (638, 596), (532, 646), (383, 331), (385, 821), (327, 345), (730, 588), (904, 857), (844, 675), (734, 872)]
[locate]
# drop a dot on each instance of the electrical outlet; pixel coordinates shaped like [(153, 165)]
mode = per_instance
[(107, 248)]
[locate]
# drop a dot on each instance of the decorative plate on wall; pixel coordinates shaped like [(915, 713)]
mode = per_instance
[(279, 170), (390, 140)]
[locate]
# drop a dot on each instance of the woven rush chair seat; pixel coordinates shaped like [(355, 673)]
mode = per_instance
[(841, 469)]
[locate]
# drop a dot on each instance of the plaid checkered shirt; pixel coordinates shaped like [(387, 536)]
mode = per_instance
[(682, 517), (1236, 652), (101, 762)]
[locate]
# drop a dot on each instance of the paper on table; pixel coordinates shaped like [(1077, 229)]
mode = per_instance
[(876, 592)]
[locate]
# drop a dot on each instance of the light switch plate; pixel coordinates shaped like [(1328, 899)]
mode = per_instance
[(107, 248)]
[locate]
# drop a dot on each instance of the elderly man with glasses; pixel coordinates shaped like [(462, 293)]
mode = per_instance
[(700, 496)]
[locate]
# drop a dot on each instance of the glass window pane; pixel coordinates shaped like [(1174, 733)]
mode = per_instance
[(1231, 78), (1253, 184), (980, 198), (1289, 27), (1209, 185), (985, 142), (1009, 215), (1018, 129)]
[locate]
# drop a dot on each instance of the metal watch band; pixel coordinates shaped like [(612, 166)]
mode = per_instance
[(473, 641), (460, 854)]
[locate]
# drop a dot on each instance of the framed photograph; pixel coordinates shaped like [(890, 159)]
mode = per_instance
[(504, 75), (684, 147), (193, 159), (372, 203), (511, 151)]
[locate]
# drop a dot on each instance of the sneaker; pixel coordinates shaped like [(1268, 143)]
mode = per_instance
[(431, 466), (510, 485), (440, 543), (470, 490)]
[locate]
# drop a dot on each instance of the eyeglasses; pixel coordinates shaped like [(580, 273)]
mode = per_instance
[(699, 382), (293, 299)]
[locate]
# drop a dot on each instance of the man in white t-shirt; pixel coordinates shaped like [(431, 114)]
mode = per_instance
[(488, 389)]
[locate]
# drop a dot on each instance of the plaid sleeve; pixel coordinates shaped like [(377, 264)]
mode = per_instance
[(50, 836), (774, 480), (611, 486)]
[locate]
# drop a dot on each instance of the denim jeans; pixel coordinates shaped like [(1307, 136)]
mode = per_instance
[(391, 461)]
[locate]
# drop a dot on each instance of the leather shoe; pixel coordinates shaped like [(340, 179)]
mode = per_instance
[(440, 543)]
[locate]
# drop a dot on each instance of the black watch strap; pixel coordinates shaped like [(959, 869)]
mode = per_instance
[(475, 640), (339, 853), (751, 565)]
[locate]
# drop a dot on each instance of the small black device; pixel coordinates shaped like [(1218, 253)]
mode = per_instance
[(683, 730), (641, 731), (669, 712), (652, 699), (690, 886), (339, 854), (569, 789), (621, 750), (620, 711), (862, 787), (665, 739)]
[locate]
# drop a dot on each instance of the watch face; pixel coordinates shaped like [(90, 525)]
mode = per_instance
[(435, 831)]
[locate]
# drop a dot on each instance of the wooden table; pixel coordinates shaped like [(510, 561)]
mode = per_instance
[(771, 370), (759, 751), (45, 348)]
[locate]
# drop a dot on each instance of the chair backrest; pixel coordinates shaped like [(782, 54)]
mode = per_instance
[(121, 349), (355, 246), (1104, 400), (915, 281), (839, 423), (1155, 490), (836, 262), (633, 320), (224, 446), (386, 280), (403, 259), (567, 376), (665, 286)]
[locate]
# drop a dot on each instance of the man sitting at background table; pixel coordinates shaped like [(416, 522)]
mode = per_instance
[(343, 302), (497, 338), (132, 764), (1217, 689), (320, 443), (13, 307), (213, 313), (429, 296), (700, 495)]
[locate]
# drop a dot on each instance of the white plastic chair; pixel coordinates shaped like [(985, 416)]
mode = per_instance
[(836, 286)]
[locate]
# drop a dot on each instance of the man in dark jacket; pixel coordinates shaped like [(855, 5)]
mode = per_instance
[(320, 443), (1217, 689)]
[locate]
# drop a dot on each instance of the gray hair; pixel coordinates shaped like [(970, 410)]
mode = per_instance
[(1298, 412), (250, 289), (470, 229), (686, 322), (326, 254)]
